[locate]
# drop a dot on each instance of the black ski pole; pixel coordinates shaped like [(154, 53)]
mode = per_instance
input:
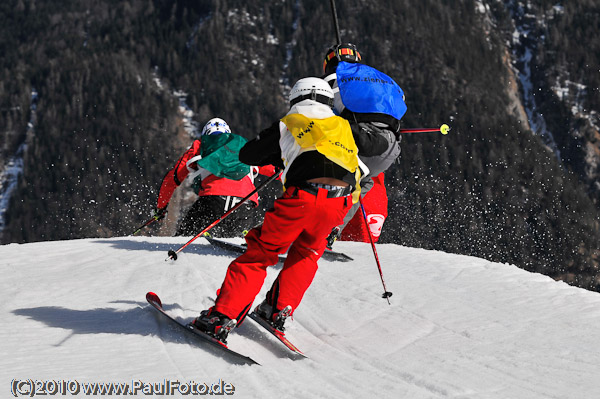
[(173, 254), (155, 218), (335, 22), (386, 294)]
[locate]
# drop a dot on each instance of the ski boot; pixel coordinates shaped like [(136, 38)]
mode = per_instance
[(274, 317), (333, 236), (215, 324)]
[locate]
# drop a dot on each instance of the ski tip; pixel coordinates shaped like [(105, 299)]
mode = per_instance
[(336, 256), (152, 297)]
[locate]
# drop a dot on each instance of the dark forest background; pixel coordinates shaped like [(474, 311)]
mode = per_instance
[(106, 125)]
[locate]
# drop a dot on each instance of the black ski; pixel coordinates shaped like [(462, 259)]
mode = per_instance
[(239, 248), (155, 301), (229, 246), (336, 256), (276, 333)]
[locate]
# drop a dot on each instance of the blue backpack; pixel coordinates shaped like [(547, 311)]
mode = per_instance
[(364, 90)]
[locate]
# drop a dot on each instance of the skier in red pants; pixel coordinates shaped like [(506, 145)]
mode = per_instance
[(318, 156)]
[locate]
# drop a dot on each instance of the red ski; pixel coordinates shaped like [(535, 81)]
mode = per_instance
[(280, 335), (156, 303)]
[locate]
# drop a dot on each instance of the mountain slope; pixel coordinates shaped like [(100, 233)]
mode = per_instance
[(457, 326), (107, 126)]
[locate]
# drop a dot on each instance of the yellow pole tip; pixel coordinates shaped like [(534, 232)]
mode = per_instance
[(444, 129)]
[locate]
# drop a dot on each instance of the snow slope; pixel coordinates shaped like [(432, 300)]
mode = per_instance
[(457, 327)]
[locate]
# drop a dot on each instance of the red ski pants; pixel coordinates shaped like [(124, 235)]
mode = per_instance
[(299, 221)]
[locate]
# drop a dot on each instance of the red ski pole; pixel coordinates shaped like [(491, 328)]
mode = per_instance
[(444, 129), (173, 254), (386, 294)]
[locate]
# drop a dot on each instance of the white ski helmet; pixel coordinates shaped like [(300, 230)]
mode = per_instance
[(314, 89), (215, 126)]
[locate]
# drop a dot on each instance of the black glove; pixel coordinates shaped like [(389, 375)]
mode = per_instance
[(159, 213)]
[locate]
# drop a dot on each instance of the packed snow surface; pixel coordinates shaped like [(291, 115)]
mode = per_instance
[(74, 314)]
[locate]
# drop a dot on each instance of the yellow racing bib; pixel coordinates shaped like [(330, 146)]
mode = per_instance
[(331, 137)]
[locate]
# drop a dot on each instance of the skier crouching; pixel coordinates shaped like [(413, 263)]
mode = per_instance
[(318, 155), (219, 179)]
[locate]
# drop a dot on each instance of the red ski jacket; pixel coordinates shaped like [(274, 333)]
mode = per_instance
[(211, 184)]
